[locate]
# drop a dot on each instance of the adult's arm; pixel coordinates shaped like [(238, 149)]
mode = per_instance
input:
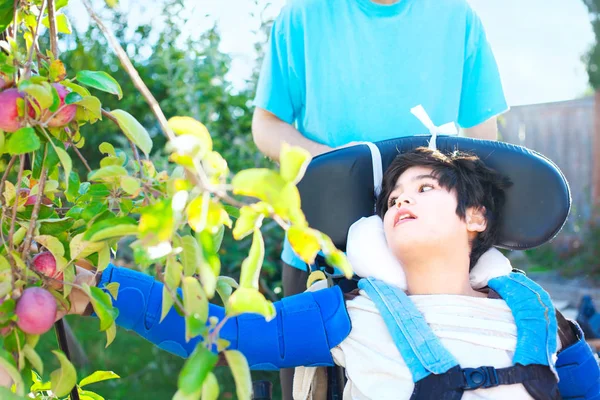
[(270, 132)]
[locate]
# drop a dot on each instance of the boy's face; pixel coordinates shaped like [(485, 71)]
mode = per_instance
[(422, 215)]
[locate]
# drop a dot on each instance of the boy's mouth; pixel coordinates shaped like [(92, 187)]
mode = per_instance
[(403, 216)]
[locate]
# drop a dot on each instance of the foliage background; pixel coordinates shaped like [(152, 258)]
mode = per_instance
[(189, 79)]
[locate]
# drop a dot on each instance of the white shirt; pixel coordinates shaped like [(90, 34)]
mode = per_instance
[(476, 331)]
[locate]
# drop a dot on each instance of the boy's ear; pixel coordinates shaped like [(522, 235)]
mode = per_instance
[(475, 218)]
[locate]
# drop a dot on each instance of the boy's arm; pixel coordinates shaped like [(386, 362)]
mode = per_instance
[(282, 342), (577, 368)]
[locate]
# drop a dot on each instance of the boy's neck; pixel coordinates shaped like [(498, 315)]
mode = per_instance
[(442, 275)]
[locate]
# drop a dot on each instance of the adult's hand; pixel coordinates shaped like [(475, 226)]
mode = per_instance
[(270, 132)]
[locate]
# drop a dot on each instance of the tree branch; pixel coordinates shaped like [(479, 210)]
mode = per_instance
[(36, 206), (27, 73), (11, 232), (130, 69), (82, 158), (53, 29)]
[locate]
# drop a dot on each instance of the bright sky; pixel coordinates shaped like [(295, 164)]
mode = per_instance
[(538, 43)]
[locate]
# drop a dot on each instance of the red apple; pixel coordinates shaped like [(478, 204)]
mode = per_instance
[(24, 193), (44, 263), (36, 311), (9, 116), (67, 113)]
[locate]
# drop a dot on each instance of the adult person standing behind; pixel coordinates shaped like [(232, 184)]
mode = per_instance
[(342, 71)]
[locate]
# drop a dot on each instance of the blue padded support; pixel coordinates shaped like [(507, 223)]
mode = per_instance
[(534, 316), (578, 372), (306, 328)]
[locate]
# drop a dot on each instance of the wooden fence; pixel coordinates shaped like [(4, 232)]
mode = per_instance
[(567, 133)]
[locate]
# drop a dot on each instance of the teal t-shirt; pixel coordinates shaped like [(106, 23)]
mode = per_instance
[(351, 70)]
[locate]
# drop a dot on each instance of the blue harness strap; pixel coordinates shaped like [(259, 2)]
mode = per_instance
[(534, 315), (424, 353), (421, 350), (280, 343)]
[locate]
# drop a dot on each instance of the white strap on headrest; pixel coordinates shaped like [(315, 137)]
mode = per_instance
[(446, 129), (377, 166)]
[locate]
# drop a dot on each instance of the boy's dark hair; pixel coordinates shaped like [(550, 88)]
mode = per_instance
[(476, 185)]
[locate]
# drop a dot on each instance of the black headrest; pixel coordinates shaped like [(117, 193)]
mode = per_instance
[(338, 189)]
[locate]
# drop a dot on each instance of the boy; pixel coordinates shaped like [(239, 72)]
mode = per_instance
[(440, 214)]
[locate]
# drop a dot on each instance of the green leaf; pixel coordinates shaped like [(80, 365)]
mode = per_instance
[(111, 333), (224, 290), (195, 303), (73, 187), (293, 163), (130, 184), (102, 306), (133, 130), (22, 141), (104, 259), (108, 173), (167, 303), (338, 260), (252, 301), (113, 289), (73, 98), (241, 374), (12, 371), (107, 148), (195, 370), (80, 248), (53, 245), (111, 228), (41, 93), (55, 100), (100, 80), (98, 376), (62, 24), (182, 126), (55, 226), (87, 395), (6, 14), (66, 162), (33, 358), (2, 140), (261, 183), (210, 388), (305, 242), (92, 107), (249, 220), (64, 378), (172, 278), (190, 256), (6, 394), (251, 265)]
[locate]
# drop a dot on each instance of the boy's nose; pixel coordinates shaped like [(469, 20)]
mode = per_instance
[(403, 199)]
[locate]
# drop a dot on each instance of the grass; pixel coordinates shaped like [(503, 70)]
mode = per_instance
[(146, 371)]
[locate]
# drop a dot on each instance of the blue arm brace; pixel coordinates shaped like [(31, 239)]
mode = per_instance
[(306, 328), (578, 371)]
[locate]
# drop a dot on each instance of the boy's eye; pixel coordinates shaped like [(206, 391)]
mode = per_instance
[(426, 187), (392, 202)]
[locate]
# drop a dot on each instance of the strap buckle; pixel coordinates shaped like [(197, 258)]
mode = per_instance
[(482, 377)]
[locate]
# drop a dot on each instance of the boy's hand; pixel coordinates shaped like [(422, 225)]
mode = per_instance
[(79, 300)]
